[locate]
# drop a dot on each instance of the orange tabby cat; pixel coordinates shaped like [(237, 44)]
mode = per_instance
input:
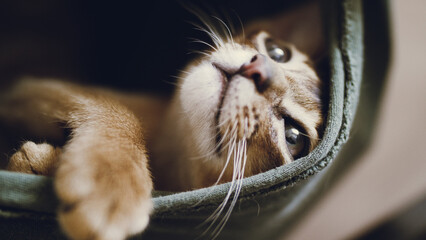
[(250, 104)]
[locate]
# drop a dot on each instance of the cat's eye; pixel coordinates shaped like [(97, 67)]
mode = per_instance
[(277, 53), (296, 140)]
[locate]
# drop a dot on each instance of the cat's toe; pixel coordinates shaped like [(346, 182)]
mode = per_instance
[(34, 158), (104, 219), (102, 204)]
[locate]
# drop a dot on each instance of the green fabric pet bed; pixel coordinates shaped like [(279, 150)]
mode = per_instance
[(270, 203)]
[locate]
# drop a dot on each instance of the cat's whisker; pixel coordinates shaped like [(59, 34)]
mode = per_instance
[(222, 124), (219, 144), (213, 35), (220, 176), (215, 215), (241, 24), (203, 18), (215, 149), (223, 31), (194, 40), (239, 166), (227, 30), (222, 139), (212, 152), (199, 52), (226, 145), (231, 146), (175, 77), (231, 130), (185, 72), (310, 137), (229, 21), (234, 178), (234, 135), (173, 83)]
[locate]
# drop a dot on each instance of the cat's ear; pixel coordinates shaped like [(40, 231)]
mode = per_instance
[(301, 26)]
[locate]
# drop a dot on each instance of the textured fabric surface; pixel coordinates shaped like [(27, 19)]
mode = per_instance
[(269, 202)]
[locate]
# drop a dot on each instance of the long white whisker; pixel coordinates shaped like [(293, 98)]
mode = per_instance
[(219, 210), (241, 162), (212, 36), (199, 52), (233, 132), (227, 28), (220, 176), (237, 167), (210, 32), (310, 137), (223, 30), (230, 22), (194, 40), (183, 71), (241, 24), (230, 150), (215, 215), (215, 148), (233, 135)]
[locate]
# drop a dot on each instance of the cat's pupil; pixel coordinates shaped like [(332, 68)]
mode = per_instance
[(292, 135), (296, 143), (278, 54)]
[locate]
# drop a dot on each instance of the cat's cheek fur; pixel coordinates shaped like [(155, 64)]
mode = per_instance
[(200, 98)]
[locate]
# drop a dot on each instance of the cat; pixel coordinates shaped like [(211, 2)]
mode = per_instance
[(251, 103)]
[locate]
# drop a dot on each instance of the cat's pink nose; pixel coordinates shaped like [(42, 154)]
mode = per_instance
[(259, 70)]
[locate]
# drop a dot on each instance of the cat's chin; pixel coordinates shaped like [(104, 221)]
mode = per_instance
[(201, 94), (204, 96)]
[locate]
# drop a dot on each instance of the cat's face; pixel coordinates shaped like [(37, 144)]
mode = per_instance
[(254, 100)]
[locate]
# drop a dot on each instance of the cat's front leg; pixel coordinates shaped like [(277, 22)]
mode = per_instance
[(40, 159), (102, 178), (103, 184)]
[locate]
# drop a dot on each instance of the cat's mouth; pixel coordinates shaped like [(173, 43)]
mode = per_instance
[(224, 78)]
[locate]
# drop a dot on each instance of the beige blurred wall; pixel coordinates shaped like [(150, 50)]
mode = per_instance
[(370, 193)]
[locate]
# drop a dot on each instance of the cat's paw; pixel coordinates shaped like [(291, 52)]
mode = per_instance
[(102, 201), (34, 158)]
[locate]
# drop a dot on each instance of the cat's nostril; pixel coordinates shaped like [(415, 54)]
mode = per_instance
[(258, 70), (256, 77)]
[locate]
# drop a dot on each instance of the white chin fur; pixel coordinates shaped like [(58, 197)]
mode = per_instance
[(200, 96)]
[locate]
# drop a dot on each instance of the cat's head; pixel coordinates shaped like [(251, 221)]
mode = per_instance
[(252, 103)]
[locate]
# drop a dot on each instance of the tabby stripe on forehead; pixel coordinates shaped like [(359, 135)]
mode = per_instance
[(303, 96)]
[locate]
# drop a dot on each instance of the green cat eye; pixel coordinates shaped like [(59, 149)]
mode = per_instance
[(278, 54)]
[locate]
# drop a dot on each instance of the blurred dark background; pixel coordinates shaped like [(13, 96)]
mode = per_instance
[(129, 45)]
